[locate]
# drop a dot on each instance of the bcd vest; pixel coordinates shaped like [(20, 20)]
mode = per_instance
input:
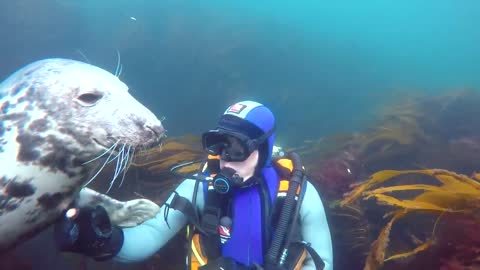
[(241, 227)]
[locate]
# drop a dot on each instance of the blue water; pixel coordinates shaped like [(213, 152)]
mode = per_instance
[(323, 66)]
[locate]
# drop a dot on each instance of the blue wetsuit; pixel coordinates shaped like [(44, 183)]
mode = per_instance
[(143, 241)]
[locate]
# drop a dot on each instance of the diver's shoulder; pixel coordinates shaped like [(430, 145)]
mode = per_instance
[(186, 186), (188, 181), (310, 187), (312, 194)]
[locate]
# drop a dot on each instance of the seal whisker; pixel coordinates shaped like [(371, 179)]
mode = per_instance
[(110, 186), (106, 151), (127, 165), (127, 156), (133, 157), (84, 56), (103, 166), (118, 167), (130, 162), (118, 70), (120, 152)]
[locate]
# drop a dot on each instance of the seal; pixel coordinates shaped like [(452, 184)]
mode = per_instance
[(61, 121)]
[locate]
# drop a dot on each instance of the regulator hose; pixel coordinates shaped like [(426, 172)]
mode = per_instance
[(272, 257)]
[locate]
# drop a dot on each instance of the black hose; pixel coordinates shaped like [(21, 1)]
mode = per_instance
[(174, 169), (287, 210), (293, 224), (199, 177)]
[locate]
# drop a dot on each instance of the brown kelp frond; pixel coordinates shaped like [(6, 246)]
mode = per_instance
[(452, 182), (456, 193), (351, 231), (416, 250), (375, 179), (420, 246), (407, 204), (376, 257), (174, 151), (447, 177), (399, 125), (403, 188)]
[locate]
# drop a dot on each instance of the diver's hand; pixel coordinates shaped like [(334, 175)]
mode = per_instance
[(88, 231)]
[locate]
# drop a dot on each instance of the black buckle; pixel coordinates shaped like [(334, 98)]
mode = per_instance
[(183, 205), (211, 220)]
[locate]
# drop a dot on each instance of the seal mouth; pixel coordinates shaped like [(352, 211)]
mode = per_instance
[(156, 142)]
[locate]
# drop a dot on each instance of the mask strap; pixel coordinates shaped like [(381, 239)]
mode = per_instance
[(253, 144)]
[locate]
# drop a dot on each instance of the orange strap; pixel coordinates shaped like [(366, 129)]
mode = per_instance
[(299, 264), (197, 258), (283, 187)]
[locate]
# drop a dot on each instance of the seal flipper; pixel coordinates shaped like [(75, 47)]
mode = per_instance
[(123, 214)]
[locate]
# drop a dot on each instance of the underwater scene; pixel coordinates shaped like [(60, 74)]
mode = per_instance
[(109, 100)]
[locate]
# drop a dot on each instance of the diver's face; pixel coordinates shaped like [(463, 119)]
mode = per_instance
[(244, 169)]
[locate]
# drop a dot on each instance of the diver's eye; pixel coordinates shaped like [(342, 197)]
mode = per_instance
[(89, 98)]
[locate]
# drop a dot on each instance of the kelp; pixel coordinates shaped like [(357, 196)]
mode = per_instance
[(455, 193), (399, 126), (172, 152), (422, 132), (376, 257), (352, 234), (353, 222)]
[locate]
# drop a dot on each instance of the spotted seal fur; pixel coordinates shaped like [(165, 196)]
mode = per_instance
[(57, 116)]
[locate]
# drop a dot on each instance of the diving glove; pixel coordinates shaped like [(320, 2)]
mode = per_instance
[(88, 231)]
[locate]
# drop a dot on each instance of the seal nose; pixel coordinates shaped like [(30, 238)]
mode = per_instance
[(158, 130)]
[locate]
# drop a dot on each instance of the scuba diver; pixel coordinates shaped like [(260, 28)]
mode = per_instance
[(244, 210)]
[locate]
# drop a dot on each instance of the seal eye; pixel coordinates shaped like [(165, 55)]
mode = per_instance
[(89, 98)]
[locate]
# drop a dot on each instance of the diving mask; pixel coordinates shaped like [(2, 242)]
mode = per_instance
[(230, 145)]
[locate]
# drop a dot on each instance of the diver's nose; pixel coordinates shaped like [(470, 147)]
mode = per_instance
[(158, 130)]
